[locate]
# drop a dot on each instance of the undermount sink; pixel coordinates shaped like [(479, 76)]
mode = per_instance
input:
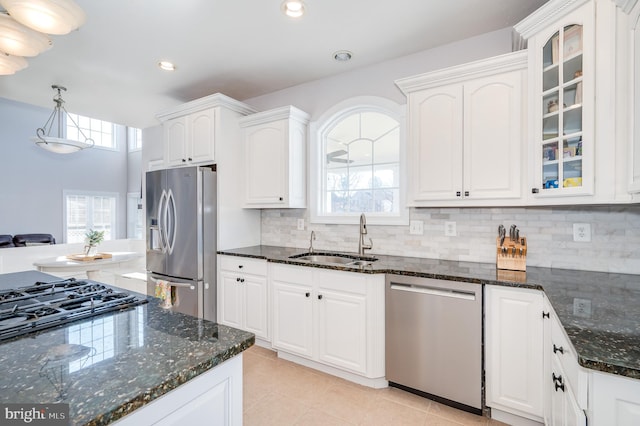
[(335, 259)]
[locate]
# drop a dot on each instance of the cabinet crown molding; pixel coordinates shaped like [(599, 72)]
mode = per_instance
[(211, 101), (460, 73), (626, 5), (546, 15), (282, 113)]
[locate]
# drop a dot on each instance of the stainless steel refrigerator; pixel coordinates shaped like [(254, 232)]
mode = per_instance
[(181, 239)]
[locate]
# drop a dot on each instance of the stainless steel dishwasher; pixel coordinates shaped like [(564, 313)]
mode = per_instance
[(434, 339)]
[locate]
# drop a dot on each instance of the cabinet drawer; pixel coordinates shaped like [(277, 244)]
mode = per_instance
[(351, 282), (291, 274), (243, 265), (568, 359)]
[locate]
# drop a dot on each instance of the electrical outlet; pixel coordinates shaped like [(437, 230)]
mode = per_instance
[(582, 232), (300, 224), (450, 229), (582, 307), (416, 227)]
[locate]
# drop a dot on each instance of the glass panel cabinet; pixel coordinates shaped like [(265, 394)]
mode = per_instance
[(562, 109), (563, 136)]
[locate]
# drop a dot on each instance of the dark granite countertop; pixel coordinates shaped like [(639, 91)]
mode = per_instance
[(139, 355), (605, 331)]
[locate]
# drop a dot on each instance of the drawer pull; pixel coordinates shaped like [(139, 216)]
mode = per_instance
[(558, 349), (238, 279), (307, 294), (319, 297), (545, 315), (559, 386)]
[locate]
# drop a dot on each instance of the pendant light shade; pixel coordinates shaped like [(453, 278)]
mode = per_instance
[(10, 64), (46, 16), (18, 40), (51, 135)]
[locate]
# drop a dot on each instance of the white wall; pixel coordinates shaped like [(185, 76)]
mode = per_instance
[(378, 80), (32, 179)]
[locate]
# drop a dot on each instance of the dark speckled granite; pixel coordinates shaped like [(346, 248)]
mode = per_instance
[(606, 339), (140, 354)]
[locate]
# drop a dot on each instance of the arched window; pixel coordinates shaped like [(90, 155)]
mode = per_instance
[(359, 163)]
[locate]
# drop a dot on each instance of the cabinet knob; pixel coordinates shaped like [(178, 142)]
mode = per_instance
[(240, 266), (281, 199), (558, 349), (458, 194), (535, 190), (238, 279), (184, 161), (319, 297), (190, 159), (545, 315), (307, 294), (241, 280), (466, 193)]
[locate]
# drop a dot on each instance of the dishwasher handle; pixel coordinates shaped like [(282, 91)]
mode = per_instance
[(434, 291)]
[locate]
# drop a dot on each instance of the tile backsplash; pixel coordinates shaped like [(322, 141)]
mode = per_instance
[(614, 245)]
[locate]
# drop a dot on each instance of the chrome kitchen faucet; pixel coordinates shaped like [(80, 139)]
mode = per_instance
[(363, 231), (311, 240)]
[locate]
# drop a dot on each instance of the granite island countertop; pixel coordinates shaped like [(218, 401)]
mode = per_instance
[(606, 336), (138, 355)]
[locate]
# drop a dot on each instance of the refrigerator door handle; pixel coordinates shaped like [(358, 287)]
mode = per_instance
[(162, 218), (175, 284), (171, 230)]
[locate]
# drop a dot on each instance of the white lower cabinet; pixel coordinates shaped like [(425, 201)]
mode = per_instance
[(334, 318), (292, 310), (514, 351), (564, 409), (243, 296), (213, 398), (614, 400)]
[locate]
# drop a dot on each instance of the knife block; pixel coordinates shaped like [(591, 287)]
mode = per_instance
[(509, 260)]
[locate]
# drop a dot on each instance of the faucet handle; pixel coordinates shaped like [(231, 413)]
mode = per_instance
[(368, 246)]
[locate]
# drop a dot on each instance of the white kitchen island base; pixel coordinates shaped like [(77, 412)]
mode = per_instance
[(213, 398)]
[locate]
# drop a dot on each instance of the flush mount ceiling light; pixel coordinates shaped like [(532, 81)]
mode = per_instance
[(46, 16), (56, 142), (10, 64), (18, 40), (167, 66), (293, 8), (342, 55)]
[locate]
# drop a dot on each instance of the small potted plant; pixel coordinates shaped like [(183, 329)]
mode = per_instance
[(93, 238)]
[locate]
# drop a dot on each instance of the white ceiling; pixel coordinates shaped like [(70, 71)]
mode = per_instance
[(242, 48)]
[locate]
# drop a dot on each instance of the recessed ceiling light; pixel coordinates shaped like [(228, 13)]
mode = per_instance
[(293, 8), (342, 55), (167, 66)]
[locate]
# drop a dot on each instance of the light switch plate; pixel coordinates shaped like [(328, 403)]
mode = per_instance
[(582, 307), (416, 227), (582, 232), (300, 224), (450, 229)]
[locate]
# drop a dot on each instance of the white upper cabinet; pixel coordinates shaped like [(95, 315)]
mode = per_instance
[(465, 133), (633, 37), (190, 139), (275, 158), (578, 150)]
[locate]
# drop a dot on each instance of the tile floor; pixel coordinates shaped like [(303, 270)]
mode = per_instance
[(279, 392)]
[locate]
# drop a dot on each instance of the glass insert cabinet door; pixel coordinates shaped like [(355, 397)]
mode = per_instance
[(562, 111)]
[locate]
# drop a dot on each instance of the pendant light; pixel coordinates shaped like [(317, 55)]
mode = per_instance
[(10, 64), (46, 16), (18, 40), (57, 142)]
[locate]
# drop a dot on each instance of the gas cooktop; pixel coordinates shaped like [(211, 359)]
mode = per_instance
[(27, 309)]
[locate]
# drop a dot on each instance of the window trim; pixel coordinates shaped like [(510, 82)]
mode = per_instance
[(319, 127), (67, 192), (135, 148)]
